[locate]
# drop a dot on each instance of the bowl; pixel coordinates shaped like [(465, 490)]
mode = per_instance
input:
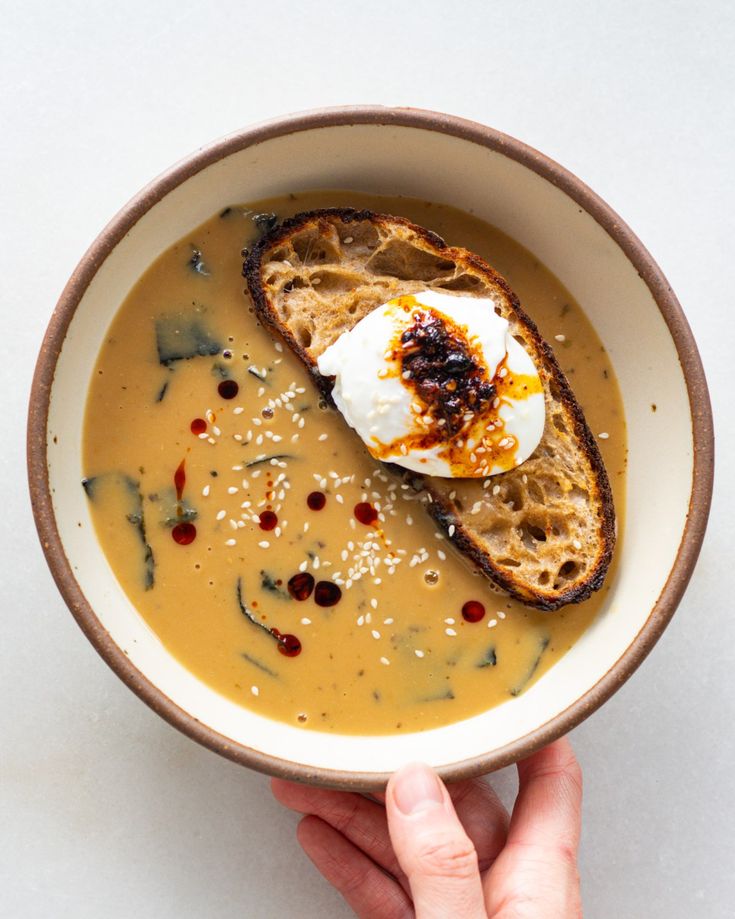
[(535, 201)]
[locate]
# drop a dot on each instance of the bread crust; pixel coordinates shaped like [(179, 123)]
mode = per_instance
[(441, 507)]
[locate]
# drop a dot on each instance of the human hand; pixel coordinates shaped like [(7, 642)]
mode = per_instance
[(439, 853)]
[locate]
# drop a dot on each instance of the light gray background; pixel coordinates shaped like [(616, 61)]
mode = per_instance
[(105, 810)]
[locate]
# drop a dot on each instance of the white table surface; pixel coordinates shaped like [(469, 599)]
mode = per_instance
[(105, 810)]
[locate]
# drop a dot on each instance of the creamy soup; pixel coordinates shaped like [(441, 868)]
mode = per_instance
[(268, 551)]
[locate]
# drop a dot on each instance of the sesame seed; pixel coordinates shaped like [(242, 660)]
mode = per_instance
[(304, 565), (221, 515), (375, 633), (230, 542), (205, 491), (500, 614), (492, 623), (442, 555), (449, 621), (450, 632), (560, 337), (323, 436), (347, 240), (203, 436), (305, 621), (577, 544), (451, 531), (264, 544), (496, 490), (384, 660), (603, 436), (389, 621), (232, 490), (254, 690), (418, 653)]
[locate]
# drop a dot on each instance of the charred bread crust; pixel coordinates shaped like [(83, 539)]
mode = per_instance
[(439, 508)]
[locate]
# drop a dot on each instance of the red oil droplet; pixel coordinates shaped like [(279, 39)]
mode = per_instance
[(473, 611), (184, 533), (198, 426), (228, 389), (366, 513), (301, 585), (327, 594), (316, 500), (289, 645), (180, 479), (268, 520)]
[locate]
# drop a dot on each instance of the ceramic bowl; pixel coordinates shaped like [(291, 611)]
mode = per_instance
[(552, 213)]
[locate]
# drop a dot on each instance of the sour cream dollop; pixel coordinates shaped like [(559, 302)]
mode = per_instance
[(435, 382)]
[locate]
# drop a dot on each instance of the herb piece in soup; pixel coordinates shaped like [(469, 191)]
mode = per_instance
[(265, 222), (180, 338), (528, 676), (270, 583), (129, 489), (278, 457), (264, 668), (489, 658), (196, 263)]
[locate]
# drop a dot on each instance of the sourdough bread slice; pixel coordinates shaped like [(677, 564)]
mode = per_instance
[(544, 531)]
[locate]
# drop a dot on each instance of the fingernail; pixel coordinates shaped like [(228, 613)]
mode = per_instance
[(416, 788)]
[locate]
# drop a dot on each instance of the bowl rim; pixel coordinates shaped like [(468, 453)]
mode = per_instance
[(574, 188)]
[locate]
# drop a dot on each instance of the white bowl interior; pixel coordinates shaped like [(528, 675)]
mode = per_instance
[(418, 162)]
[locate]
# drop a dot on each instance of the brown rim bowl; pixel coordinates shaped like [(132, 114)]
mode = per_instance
[(572, 231)]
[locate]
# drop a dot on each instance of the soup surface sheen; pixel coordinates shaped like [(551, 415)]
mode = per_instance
[(257, 537)]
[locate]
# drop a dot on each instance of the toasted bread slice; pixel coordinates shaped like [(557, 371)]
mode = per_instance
[(544, 531)]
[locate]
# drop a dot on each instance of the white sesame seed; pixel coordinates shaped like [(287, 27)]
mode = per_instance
[(389, 621), (375, 633), (323, 436), (560, 337), (347, 240), (205, 491), (232, 490), (492, 623), (449, 621), (603, 435), (306, 621), (254, 690), (450, 632), (221, 515), (496, 490), (451, 530), (418, 653), (384, 660), (230, 542), (577, 544), (500, 614)]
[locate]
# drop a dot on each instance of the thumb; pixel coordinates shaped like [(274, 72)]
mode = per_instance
[(432, 847)]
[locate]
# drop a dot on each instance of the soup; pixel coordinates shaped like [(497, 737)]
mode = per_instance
[(268, 551)]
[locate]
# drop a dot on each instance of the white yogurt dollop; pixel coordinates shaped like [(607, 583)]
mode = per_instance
[(382, 401)]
